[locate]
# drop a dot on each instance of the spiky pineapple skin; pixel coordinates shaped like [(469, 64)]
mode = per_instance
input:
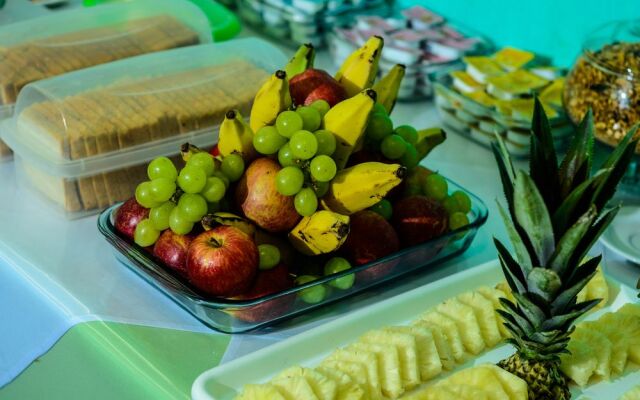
[(544, 379)]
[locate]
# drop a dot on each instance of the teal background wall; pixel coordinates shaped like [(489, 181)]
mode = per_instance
[(553, 28)]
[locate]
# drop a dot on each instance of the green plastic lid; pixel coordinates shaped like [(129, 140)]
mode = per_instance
[(224, 24)]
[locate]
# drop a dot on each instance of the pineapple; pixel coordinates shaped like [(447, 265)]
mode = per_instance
[(494, 295), (554, 214), (486, 316), (294, 388), (581, 363), (429, 363), (467, 323), (347, 388), (433, 393), (389, 367), (323, 387), (619, 344), (600, 342), (260, 392), (480, 378), (633, 394), (450, 330), (368, 360), (444, 349), (515, 387), (407, 350), (354, 370)]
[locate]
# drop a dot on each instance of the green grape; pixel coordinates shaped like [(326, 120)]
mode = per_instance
[(289, 181), (269, 256), (192, 206), (379, 108), (214, 190), (288, 123), (320, 188), (303, 145), (384, 208), (160, 215), (458, 220), (311, 118), (322, 106), (204, 161), (339, 264), (162, 189), (435, 186), (192, 179), (223, 178), (162, 167), (410, 157), (285, 156), (145, 234), (450, 204), (178, 223), (408, 133), (144, 195), (463, 200), (314, 294), (306, 202), (326, 142), (323, 168), (232, 166), (379, 126), (268, 141), (393, 147)]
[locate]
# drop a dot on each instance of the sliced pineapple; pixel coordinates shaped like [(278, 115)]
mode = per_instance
[(429, 363), (506, 290), (442, 344), (486, 316), (465, 392), (617, 337), (600, 342), (451, 332), (494, 296), (630, 309), (388, 366), (265, 391), (468, 325), (367, 359), (432, 393), (581, 363), (515, 387), (348, 389), (481, 378), (625, 325), (294, 388), (354, 370), (597, 288), (407, 351), (323, 387), (633, 394)]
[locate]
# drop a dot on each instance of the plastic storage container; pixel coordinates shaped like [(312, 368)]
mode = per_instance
[(234, 316), (82, 139), (47, 46)]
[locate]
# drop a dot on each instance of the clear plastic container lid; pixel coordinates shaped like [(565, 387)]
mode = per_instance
[(47, 46), (130, 111)]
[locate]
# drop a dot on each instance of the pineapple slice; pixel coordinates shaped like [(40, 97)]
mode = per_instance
[(597, 288), (294, 388), (433, 393), (347, 388), (442, 344), (451, 332), (486, 316), (265, 391), (369, 360), (468, 392), (581, 363), (630, 309), (388, 366), (506, 290), (598, 341), (494, 296), (515, 387), (354, 370), (407, 350), (323, 387), (429, 362), (481, 378), (629, 327), (617, 337), (633, 394), (465, 318)]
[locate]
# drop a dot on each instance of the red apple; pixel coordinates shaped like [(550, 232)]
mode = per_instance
[(268, 282), (128, 215), (222, 261), (315, 84), (261, 202), (171, 249), (418, 219), (371, 237)]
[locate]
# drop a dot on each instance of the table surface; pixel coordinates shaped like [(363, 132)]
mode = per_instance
[(75, 321)]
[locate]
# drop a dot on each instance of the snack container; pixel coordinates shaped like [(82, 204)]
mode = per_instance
[(83, 139), (235, 316)]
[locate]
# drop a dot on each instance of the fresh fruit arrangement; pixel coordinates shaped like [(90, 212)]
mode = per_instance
[(318, 175)]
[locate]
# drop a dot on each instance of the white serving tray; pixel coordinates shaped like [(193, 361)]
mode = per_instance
[(309, 348)]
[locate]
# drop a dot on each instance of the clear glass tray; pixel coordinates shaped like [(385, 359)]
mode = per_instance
[(235, 316)]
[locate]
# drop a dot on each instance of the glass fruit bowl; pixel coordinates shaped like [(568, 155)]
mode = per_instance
[(236, 316), (606, 78)]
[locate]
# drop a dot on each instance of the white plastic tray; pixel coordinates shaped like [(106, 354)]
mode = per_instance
[(224, 382)]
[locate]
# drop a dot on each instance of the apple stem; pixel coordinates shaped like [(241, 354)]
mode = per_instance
[(215, 243)]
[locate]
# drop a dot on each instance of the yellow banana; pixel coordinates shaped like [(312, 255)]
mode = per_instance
[(428, 139), (236, 136), (213, 220), (388, 86), (322, 232), (301, 61), (361, 186), (272, 98), (359, 70), (187, 149), (348, 122)]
